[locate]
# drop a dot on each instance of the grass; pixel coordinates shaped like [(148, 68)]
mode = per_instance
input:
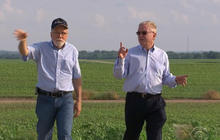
[(105, 121), (18, 79), (202, 78)]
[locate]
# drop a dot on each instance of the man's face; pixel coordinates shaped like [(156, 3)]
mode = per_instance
[(145, 35), (59, 36)]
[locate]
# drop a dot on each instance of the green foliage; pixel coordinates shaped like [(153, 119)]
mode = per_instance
[(17, 122), (204, 118), (9, 55), (99, 77), (99, 131), (202, 78), (194, 55), (105, 121), (102, 54), (97, 54), (18, 79)]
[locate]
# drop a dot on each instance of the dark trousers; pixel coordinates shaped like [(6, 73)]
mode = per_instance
[(138, 110)]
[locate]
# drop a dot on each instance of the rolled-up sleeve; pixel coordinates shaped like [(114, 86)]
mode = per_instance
[(119, 68), (33, 53), (76, 68), (168, 78)]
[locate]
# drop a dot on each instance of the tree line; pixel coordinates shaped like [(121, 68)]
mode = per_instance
[(101, 54)]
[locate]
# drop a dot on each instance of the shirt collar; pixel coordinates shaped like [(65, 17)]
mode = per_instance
[(151, 50)]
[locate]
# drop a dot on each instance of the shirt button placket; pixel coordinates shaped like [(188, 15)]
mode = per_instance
[(58, 68)]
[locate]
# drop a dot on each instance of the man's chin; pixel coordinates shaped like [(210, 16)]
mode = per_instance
[(59, 44)]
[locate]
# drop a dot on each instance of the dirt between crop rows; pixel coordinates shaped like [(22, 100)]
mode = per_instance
[(30, 100)]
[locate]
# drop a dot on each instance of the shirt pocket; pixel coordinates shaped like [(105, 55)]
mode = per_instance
[(67, 66), (138, 64), (158, 69)]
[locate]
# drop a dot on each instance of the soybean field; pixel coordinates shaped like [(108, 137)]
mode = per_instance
[(105, 121), (18, 79)]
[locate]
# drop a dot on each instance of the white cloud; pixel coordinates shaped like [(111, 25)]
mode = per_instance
[(99, 20), (143, 15), (179, 17), (7, 8), (215, 19), (2, 17), (216, 1), (40, 15), (19, 11), (210, 17), (187, 4)]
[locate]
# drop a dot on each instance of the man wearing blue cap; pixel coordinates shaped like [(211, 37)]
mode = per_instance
[(58, 75)]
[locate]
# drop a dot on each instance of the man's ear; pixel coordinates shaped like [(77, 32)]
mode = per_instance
[(155, 35)]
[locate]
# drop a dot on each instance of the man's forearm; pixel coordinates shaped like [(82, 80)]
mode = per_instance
[(23, 48), (119, 68), (77, 83)]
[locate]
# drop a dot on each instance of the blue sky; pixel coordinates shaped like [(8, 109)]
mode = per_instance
[(183, 25)]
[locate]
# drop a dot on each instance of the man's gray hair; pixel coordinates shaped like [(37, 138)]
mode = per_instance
[(151, 24)]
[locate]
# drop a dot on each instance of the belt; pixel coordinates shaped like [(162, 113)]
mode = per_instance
[(59, 93), (144, 95)]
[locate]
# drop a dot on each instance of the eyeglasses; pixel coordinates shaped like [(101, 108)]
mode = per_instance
[(60, 33), (143, 32)]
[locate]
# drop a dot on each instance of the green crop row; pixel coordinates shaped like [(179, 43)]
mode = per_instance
[(18, 79), (105, 121)]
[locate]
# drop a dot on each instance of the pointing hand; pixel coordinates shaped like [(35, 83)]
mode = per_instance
[(122, 51)]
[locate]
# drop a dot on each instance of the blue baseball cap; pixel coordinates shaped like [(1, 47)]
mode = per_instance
[(59, 21)]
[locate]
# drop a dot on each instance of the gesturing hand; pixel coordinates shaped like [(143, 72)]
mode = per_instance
[(122, 51), (182, 80), (20, 34)]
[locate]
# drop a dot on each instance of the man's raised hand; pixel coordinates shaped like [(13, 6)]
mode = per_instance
[(20, 34), (122, 51)]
